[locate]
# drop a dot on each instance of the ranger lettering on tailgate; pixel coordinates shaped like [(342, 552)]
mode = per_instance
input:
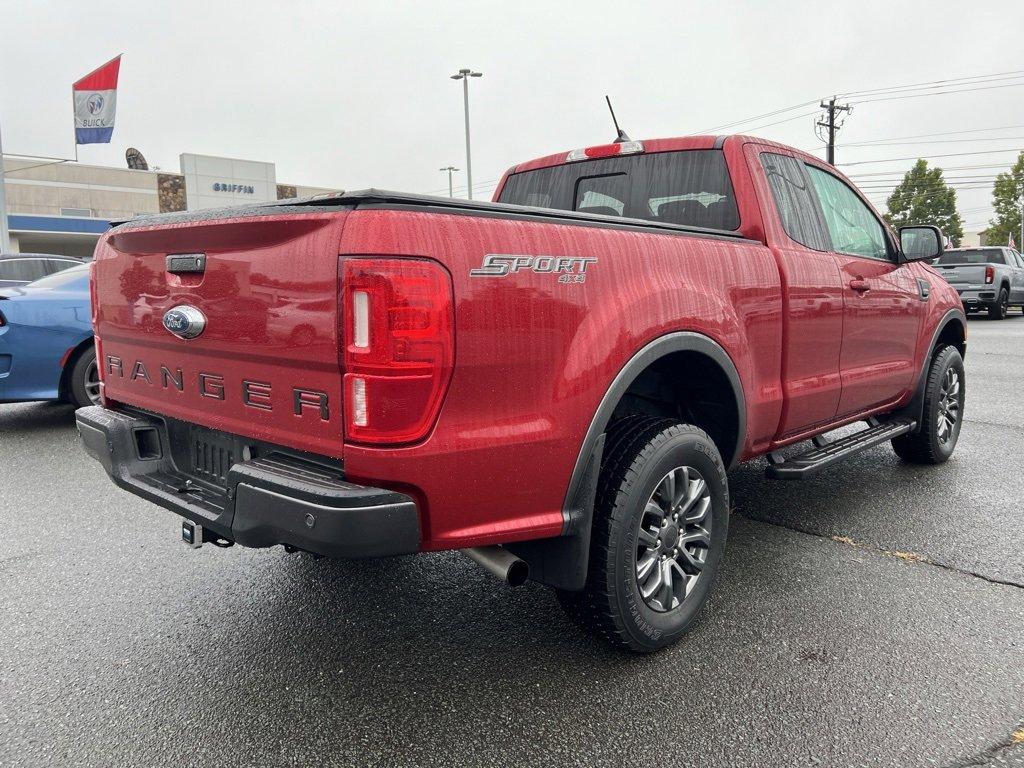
[(254, 394)]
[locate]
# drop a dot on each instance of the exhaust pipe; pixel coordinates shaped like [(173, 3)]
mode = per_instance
[(502, 563)]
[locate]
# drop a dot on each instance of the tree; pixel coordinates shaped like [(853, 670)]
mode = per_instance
[(923, 197), (1006, 195)]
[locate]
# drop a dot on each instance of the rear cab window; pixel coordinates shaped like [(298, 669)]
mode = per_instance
[(687, 187), (974, 256)]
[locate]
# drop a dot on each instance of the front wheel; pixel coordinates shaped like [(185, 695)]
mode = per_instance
[(660, 522), (999, 310), (945, 395)]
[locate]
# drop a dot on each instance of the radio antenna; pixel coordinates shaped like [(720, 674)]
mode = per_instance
[(621, 134)]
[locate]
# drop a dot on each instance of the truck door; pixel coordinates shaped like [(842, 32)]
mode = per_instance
[(812, 300), (881, 297)]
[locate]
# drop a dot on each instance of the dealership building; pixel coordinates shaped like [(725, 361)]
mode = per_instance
[(63, 207)]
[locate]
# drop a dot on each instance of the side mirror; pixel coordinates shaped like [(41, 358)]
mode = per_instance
[(921, 243)]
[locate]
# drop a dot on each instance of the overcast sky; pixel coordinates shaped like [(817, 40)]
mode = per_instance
[(351, 95)]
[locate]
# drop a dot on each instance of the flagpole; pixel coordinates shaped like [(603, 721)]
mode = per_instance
[(5, 235), (74, 127)]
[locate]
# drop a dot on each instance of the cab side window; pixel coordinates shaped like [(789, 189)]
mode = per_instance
[(794, 200), (851, 224)]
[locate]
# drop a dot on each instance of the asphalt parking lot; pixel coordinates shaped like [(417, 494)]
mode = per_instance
[(872, 616)]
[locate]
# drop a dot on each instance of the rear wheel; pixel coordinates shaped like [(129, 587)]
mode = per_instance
[(944, 400), (84, 379), (660, 523), (998, 310)]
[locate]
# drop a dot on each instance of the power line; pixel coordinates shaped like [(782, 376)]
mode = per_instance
[(30, 167), (945, 179), (950, 185), (932, 141), (779, 122), (939, 84), (949, 83), (927, 135), (936, 93), (865, 174), (462, 187), (981, 184), (758, 117), (881, 188), (926, 157), (934, 83)]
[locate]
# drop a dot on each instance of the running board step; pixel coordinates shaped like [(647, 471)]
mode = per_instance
[(826, 453)]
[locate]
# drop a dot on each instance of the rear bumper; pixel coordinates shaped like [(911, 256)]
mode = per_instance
[(977, 297), (268, 498)]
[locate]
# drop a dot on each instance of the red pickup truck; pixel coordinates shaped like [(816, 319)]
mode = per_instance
[(555, 382)]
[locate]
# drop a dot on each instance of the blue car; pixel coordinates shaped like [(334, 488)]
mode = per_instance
[(46, 345)]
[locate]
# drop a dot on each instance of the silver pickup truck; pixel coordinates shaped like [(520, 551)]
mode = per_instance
[(989, 277)]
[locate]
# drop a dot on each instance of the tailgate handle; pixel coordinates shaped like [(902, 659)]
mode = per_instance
[(186, 263)]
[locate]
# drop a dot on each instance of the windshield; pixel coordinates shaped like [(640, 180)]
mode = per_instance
[(976, 256), (61, 280), (690, 188)]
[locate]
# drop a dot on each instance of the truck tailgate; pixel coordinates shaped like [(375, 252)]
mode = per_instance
[(963, 275), (266, 364)]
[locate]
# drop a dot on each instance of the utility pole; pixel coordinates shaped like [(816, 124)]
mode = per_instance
[(829, 124), (451, 169), (464, 75), (5, 237)]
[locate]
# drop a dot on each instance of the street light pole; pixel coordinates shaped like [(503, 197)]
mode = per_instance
[(464, 75), (5, 236), (451, 169)]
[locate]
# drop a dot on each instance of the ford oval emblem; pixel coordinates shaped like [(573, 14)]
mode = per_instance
[(184, 321)]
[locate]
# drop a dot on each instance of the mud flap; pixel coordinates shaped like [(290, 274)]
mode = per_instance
[(562, 562)]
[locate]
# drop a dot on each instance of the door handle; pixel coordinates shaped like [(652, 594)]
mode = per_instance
[(860, 285)]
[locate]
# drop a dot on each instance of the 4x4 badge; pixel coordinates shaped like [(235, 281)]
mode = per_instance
[(184, 321)]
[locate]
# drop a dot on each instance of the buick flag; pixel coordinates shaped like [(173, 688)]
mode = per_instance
[(95, 103)]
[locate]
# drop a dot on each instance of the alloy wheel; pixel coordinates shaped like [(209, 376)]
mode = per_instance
[(92, 383), (949, 406), (674, 539)]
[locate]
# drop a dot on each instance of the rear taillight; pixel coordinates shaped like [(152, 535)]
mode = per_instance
[(990, 274), (397, 347), (3, 320)]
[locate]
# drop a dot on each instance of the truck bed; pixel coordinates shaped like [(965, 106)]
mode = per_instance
[(366, 199)]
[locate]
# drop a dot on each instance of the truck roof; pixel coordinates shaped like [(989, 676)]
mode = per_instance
[(674, 144)]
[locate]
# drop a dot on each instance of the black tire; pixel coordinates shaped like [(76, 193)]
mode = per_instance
[(82, 379), (929, 445), (999, 310), (640, 454)]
